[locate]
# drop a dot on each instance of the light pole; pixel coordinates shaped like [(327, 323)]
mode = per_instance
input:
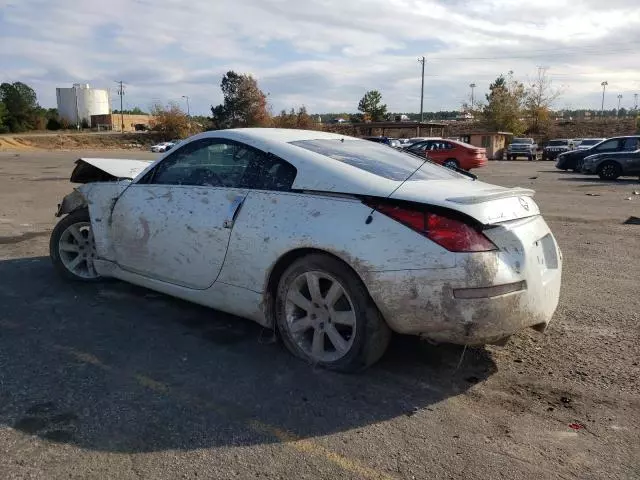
[(188, 110), (635, 102), (473, 86), (619, 100), (422, 61), (604, 87)]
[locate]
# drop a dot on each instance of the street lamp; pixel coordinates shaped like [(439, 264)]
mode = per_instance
[(188, 110), (604, 87), (619, 99), (473, 86)]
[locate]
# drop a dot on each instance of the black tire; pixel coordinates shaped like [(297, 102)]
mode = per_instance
[(609, 171), (79, 216), (451, 163), (372, 335)]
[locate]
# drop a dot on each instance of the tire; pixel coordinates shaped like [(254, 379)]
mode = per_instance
[(451, 163), (609, 171), (365, 336), (65, 246)]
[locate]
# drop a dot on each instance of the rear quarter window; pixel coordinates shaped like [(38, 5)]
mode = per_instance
[(377, 159)]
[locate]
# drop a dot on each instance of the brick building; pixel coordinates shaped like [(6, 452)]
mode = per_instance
[(112, 121)]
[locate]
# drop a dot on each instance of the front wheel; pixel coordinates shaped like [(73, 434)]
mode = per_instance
[(72, 247), (326, 316)]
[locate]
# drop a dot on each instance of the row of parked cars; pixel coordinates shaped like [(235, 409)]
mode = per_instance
[(608, 158), (447, 152)]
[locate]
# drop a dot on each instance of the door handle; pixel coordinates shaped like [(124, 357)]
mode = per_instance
[(234, 209)]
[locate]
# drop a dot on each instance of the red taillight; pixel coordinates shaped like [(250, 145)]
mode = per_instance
[(454, 235)]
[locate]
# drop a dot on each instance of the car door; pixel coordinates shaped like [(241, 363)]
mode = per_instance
[(174, 224), (438, 150)]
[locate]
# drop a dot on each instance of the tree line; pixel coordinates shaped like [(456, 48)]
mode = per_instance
[(509, 105)]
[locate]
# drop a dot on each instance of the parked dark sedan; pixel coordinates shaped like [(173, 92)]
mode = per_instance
[(573, 160), (610, 166)]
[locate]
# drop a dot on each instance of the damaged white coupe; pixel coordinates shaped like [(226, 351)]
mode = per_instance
[(332, 241)]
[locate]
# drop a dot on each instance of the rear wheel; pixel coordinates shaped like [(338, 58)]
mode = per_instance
[(326, 316), (72, 247), (451, 163), (609, 171)]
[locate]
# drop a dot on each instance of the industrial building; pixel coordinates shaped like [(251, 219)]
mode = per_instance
[(78, 103), (122, 123)]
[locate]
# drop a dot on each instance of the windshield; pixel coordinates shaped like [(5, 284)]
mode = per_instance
[(377, 159), (590, 142), (558, 143), (523, 140)]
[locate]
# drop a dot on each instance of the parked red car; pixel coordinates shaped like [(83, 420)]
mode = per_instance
[(451, 153)]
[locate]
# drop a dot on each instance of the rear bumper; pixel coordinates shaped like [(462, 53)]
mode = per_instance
[(470, 163), (428, 303)]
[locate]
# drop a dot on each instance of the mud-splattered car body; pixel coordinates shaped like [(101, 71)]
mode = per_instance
[(225, 245)]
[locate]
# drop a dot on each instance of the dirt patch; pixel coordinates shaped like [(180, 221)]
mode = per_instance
[(80, 141), (11, 143)]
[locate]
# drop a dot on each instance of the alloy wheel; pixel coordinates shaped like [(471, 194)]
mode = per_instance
[(320, 316), (77, 251)]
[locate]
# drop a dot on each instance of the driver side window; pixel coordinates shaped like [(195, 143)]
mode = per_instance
[(204, 163), (608, 146)]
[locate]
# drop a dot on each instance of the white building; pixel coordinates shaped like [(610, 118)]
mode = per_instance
[(79, 102)]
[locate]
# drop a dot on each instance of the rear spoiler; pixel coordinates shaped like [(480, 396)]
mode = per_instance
[(498, 194), (89, 170)]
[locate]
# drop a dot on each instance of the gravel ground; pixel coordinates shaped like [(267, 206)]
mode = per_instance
[(114, 381)]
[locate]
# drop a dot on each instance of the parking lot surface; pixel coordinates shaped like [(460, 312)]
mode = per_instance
[(109, 380)]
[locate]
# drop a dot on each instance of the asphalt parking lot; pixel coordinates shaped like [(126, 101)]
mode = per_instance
[(113, 381)]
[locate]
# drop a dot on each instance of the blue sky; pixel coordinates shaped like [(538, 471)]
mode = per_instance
[(322, 53)]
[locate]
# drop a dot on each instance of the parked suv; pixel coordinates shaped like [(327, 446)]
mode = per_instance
[(555, 148), (573, 160), (522, 147), (611, 165)]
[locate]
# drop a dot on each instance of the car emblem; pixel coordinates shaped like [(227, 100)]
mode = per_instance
[(524, 203)]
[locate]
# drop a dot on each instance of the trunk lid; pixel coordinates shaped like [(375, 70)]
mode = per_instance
[(488, 204)]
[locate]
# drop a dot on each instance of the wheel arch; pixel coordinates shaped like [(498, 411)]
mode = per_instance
[(607, 161), (280, 266)]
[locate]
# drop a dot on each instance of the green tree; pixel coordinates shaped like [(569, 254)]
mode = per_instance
[(371, 105), (3, 113), (245, 105), (20, 103), (505, 101)]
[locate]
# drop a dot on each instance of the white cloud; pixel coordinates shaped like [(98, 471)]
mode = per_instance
[(322, 53)]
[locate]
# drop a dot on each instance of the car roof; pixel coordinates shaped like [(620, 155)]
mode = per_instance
[(315, 172)]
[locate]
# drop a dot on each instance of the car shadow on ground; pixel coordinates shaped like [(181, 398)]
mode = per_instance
[(114, 367), (598, 180)]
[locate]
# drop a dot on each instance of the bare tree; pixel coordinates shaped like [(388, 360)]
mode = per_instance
[(540, 95)]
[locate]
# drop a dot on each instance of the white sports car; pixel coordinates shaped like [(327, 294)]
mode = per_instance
[(333, 241)]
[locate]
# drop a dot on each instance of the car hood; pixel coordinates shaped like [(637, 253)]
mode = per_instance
[(107, 169), (484, 202)]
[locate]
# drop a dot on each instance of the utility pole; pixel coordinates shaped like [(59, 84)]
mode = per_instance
[(604, 87), (121, 93), (619, 100), (422, 61), (473, 86), (188, 110), (635, 103)]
